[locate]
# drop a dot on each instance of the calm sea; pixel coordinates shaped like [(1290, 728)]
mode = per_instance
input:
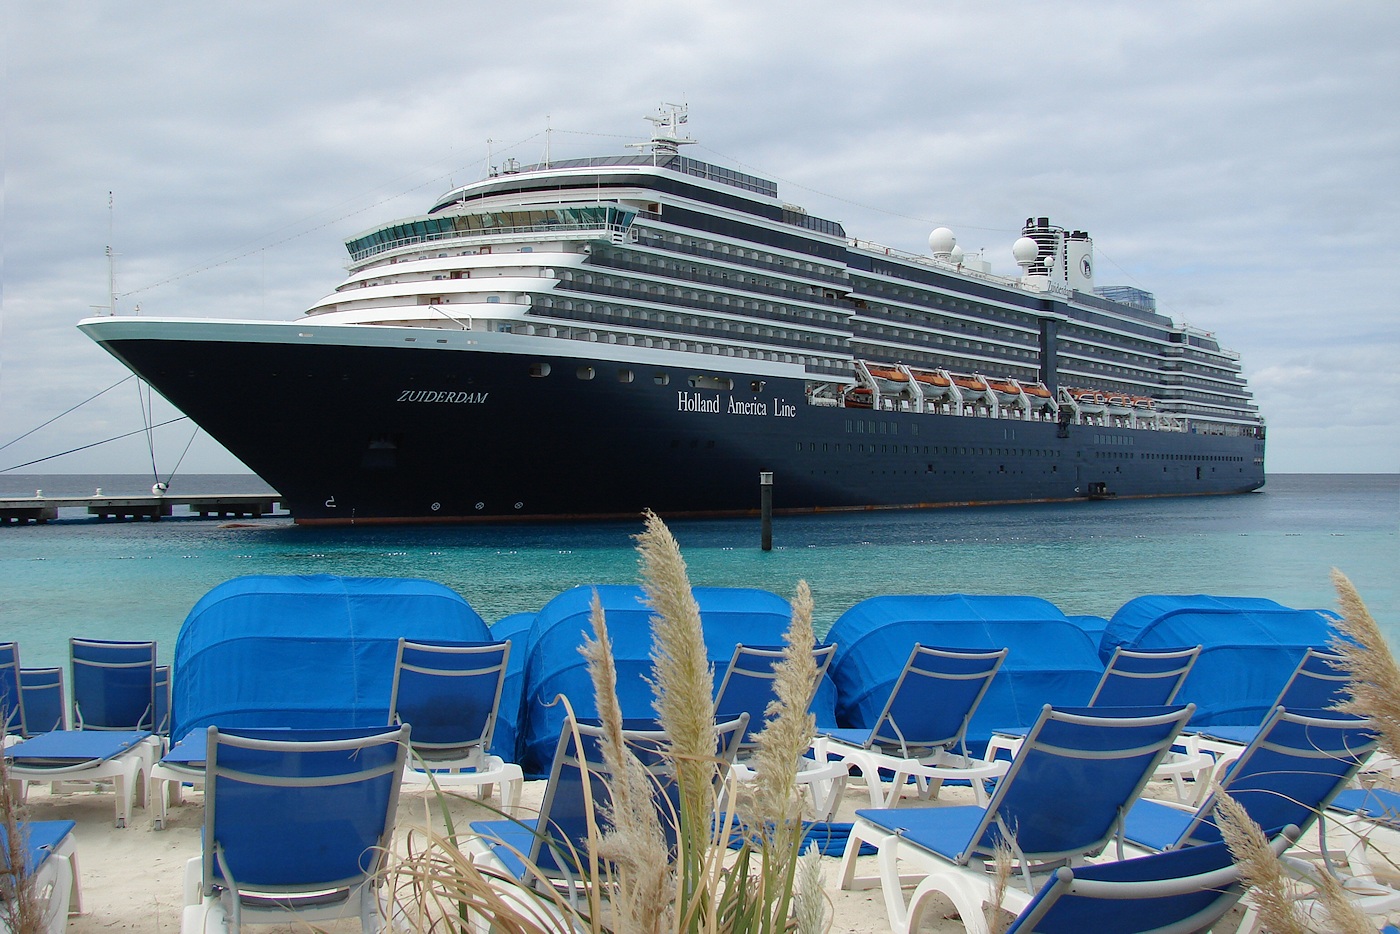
[(81, 577)]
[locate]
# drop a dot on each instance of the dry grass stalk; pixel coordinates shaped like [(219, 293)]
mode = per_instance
[(633, 841), (436, 887), (1374, 676), (1003, 863), (20, 910), (1260, 868), (1343, 917)]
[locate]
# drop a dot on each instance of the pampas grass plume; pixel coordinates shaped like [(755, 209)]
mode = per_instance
[(633, 841), (1260, 868), (1374, 676), (684, 684)]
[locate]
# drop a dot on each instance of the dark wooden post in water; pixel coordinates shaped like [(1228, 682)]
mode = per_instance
[(765, 487)]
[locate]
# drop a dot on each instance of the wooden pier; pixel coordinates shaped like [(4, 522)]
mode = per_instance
[(26, 509)]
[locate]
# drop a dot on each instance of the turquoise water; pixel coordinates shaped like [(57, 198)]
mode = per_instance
[(79, 577)]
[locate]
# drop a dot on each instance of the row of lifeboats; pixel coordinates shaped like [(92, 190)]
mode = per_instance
[(1093, 398), (941, 385)]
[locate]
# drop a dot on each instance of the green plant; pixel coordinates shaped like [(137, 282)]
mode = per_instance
[(634, 882)]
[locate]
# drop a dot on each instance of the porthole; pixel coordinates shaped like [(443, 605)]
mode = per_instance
[(624, 376), (584, 372), (539, 369), (661, 379)]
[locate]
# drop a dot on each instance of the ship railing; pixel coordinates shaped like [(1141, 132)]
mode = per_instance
[(599, 231)]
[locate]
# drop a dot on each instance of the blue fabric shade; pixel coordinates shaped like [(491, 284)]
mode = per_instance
[(554, 666), (1051, 660), (1249, 647), (306, 652)]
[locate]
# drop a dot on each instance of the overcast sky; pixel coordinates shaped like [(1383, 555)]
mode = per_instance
[(1239, 160)]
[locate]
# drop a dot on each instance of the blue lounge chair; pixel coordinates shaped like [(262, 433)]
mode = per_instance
[(1296, 765), (1139, 678), (450, 692), (51, 862), (11, 704), (923, 722), (1144, 677), (1165, 893), (113, 706), (1319, 682), (747, 688), (114, 684), (1063, 799), (296, 827), (81, 756), (44, 699), (552, 846)]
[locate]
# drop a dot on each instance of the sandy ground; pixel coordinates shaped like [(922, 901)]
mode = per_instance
[(132, 878)]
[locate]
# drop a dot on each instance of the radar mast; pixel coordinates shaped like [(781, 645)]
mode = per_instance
[(666, 128)]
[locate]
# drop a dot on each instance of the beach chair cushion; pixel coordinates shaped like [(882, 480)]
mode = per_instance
[(64, 749)]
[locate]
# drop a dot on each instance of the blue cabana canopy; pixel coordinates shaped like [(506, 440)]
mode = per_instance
[(1249, 647), (1052, 660), (554, 666), (516, 628), (305, 652)]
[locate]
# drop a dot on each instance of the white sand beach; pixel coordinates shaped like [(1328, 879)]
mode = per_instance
[(132, 878)]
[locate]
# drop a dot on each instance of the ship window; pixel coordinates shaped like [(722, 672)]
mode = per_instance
[(624, 376), (584, 372), (661, 379), (539, 369)]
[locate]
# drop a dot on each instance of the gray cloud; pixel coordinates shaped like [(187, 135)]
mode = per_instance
[(1239, 160)]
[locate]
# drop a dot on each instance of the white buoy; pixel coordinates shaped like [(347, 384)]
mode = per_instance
[(158, 488)]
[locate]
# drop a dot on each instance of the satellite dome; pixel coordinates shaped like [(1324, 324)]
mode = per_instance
[(942, 241), (1025, 250), (956, 254)]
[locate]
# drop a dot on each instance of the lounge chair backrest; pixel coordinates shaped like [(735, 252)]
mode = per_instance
[(299, 810), (579, 773), (1144, 677), (449, 692), (1074, 778), (934, 698), (1296, 764), (11, 701), (45, 708), (1173, 892), (162, 700), (747, 686), (114, 684), (1319, 681)]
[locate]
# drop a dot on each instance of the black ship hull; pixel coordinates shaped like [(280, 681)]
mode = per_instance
[(455, 426)]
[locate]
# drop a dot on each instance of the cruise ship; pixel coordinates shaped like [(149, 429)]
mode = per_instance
[(592, 337)]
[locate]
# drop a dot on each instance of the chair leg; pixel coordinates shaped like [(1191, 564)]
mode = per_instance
[(75, 885), (511, 786), (861, 833)]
